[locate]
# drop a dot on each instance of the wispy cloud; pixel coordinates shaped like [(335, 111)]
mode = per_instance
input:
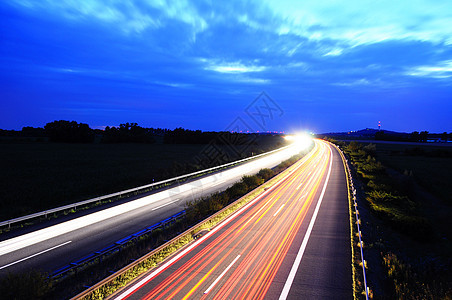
[(234, 67), (441, 70), (128, 16), (354, 83), (365, 22)]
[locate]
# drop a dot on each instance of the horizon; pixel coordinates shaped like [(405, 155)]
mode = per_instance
[(268, 66), (250, 132)]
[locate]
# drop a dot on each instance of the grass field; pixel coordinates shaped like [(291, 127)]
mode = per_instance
[(430, 165), (39, 176), (406, 207)]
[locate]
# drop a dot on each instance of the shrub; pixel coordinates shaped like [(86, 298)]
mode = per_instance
[(29, 285)]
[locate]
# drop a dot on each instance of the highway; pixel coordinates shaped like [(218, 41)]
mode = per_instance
[(52, 247), (291, 242)]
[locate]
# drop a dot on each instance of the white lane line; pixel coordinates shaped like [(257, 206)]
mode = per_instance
[(28, 257), (298, 187), (221, 275), (279, 210), (163, 205), (296, 264)]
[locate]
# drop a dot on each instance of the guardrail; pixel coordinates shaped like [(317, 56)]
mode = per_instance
[(358, 221), (110, 249), (133, 190)]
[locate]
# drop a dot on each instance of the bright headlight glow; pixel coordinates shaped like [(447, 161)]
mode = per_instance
[(301, 140)]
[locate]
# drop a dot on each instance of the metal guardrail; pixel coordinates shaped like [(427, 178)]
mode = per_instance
[(110, 249), (358, 221), (100, 198)]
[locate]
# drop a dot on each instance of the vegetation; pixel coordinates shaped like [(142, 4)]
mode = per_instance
[(69, 132), (426, 165), (411, 284), (403, 232), (128, 133), (383, 194), (29, 285)]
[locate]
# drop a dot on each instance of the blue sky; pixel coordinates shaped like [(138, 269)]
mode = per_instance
[(324, 65)]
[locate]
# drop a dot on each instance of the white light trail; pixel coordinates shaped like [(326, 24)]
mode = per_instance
[(183, 190)]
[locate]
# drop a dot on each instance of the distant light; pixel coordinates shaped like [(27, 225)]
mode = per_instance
[(301, 141)]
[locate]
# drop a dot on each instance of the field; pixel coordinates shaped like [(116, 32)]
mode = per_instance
[(406, 207), (39, 176), (429, 164)]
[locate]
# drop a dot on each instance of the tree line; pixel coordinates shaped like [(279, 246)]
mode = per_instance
[(63, 131), (414, 136)]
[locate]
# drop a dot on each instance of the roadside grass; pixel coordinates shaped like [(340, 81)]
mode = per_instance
[(429, 165), (385, 198), (411, 238)]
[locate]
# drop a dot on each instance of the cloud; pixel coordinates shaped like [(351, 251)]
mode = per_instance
[(128, 16), (334, 52), (234, 67), (365, 22), (440, 71), (358, 82)]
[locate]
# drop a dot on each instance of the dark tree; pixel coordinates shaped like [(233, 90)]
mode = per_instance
[(128, 133), (423, 136), (414, 136), (69, 132)]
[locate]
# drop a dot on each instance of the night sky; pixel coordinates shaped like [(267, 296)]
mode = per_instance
[(323, 65)]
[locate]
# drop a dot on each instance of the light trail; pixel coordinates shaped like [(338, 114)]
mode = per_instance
[(184, 190), (255, 242)]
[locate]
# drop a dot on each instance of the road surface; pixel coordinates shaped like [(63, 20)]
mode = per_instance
[(292, 242), (50, 248)]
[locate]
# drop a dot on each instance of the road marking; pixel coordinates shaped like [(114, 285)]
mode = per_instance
[(298, 187), (279, 210), (31, 256), (296, 264), (222, 274), (168, 203)]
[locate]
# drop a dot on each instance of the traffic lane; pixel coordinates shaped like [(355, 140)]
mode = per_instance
[(256, 247), (325, 270), (56, 252)]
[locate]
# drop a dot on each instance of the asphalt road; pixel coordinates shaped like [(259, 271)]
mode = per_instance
[(52, 247), (291, 242)]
